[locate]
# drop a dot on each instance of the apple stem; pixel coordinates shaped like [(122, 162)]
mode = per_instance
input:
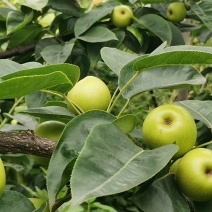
[(202, 145), (122, 110), (10, 111), (121, 91), (140, 23), (64, 97), (113, 97)]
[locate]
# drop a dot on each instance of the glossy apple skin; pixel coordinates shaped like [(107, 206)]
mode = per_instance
[(176, 12), (89, 93), (121, 16), (194, 174), (2, 177), (174, 166), (169, 124)]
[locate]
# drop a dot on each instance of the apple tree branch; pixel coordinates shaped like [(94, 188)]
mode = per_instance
[(25, 142)]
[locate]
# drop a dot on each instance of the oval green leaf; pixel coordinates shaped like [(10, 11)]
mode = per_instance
[(98, 34), (12, 200), (112, 163), (51, 112), (126, 123), (69, 146), (162, 194), (177, 55), (152, 21), (200, 110), (88, 19), (55, 54), (115, 59), (178, 76)]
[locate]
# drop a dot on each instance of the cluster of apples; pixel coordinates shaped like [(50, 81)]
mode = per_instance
[(192, 166), (122, 15), (166, 124)]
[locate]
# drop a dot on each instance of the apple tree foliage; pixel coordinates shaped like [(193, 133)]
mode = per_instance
[(101, 162)]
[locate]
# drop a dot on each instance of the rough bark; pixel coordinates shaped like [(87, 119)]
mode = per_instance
[(17, 51), (25, 142)]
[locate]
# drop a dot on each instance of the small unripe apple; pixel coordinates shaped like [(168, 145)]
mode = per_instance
[(169, 124), (121, 16), (176, 12), (49, 129), (194, 174), (88, 94), (2, 177)]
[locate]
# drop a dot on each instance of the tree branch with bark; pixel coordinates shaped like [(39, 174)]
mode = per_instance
[(27, 143), (20, 50)]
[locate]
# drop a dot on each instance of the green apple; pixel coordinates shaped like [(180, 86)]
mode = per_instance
[(194, 174), (51, 130), (88, 94), (176, 12), (121, 16), (38, 202), (2, 177), (174, 166), (167, 124)]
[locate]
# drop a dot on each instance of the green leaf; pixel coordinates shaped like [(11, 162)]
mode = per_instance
[(112, 163), (69, 146), (200, 110), (152, 21), (17, 20), (126, 123), (12, 200), (25, 36), (177, 38), (50, 112), (178, 76), (71, 71), (65, 6), (162, 194), (88, 19), (98, 34), (9, 66), (36, 99), (203, 10), (115, 59), (42, 44), (177, 55), (60, 78), (3, 13), (156, 1), (55, 54), (11, 88), (35, 4)]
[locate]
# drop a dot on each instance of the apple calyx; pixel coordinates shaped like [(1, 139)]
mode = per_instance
[(167, 121), (208, 172)]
